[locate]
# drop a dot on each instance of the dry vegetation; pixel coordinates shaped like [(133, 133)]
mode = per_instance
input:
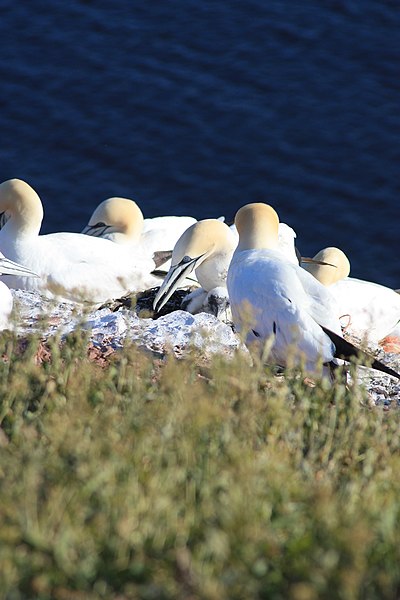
[(123, 476)]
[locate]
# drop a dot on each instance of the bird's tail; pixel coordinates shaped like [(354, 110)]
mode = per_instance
[(346, 351)]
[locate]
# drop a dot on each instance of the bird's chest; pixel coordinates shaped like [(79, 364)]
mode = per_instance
[(212, 275)]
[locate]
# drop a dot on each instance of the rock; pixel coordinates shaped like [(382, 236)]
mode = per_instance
[(177, 332)]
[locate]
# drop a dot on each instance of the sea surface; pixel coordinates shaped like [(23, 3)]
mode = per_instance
[(200, 106)]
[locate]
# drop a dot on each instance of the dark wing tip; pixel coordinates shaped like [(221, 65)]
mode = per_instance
[(345, 350)]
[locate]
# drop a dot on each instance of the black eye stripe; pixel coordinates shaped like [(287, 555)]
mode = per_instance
[(3, 218)]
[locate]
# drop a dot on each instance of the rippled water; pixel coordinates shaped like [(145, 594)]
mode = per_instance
[(199, 107)]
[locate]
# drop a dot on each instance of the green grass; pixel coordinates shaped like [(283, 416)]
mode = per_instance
[(164, 480)]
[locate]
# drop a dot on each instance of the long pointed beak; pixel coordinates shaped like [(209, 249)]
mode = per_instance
[(97, 230), (175, 276), (304, 259), (9, 267)]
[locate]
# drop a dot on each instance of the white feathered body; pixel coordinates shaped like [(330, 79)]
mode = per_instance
[(368, 310), (77, 266), (276, 299)]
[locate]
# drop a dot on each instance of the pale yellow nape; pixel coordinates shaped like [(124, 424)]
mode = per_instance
[(203, 238), (258, 226), (122, 215), (21, 201), (338, 266)]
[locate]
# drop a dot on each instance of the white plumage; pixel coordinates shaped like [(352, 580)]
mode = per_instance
[(70, 265), (274, 299), (367, 310)]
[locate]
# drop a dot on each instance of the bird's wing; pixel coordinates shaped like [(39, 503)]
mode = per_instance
[(374, 309), (80, 265), (269, 299), (322, 306)]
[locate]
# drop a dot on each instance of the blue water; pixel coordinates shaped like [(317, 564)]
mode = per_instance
[(200, 106)]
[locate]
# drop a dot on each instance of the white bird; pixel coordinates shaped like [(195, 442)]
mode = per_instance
[(121, 221), (8, 267), (367, 310), (70, 265), (206, 248), (276, 301)]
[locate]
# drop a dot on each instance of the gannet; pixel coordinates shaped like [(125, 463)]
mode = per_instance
[(8, 267), (277, 302), (206, 248), (71, 265), (121, 221), (367, 310)]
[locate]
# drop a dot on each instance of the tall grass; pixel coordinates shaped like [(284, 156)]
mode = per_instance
[(159, 479)]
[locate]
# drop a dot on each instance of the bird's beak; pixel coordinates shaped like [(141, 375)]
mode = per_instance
[(175, 276), (315, 262), (9, 267), (97, 230)]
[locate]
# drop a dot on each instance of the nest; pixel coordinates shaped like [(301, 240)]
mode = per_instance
[(142, 303)]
